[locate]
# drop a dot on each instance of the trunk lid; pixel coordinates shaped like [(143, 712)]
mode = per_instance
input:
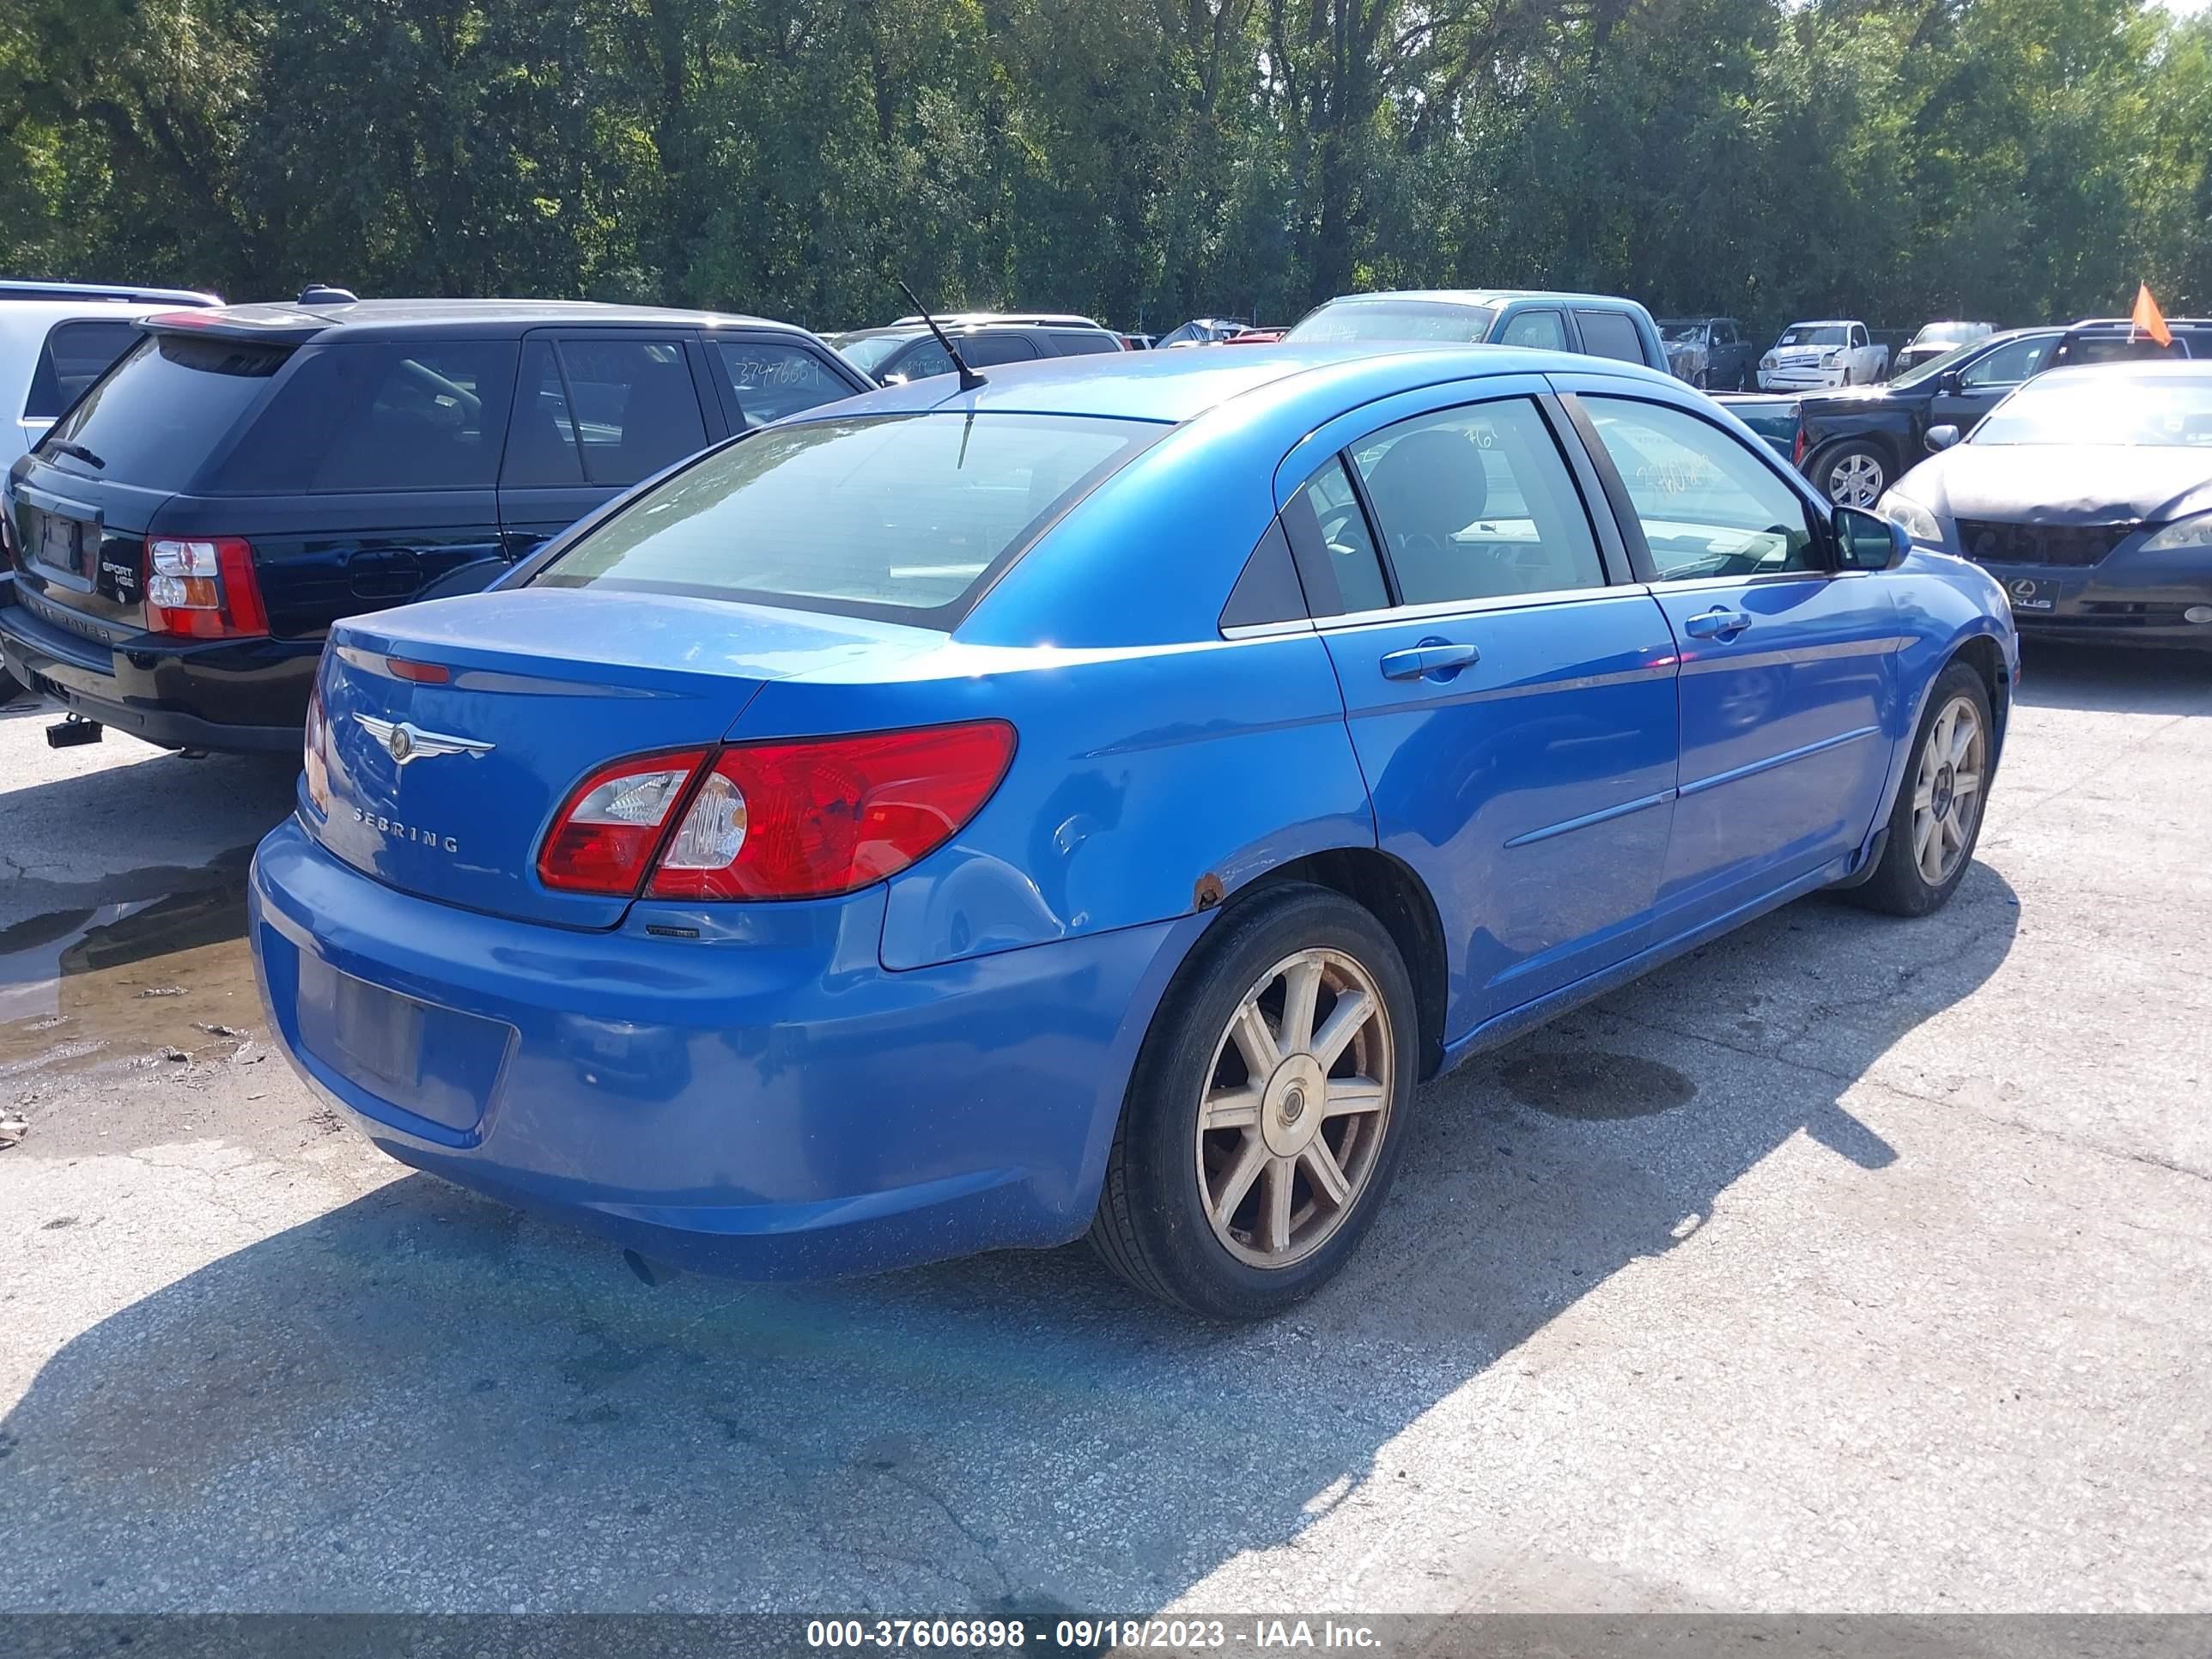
[(544, 685)]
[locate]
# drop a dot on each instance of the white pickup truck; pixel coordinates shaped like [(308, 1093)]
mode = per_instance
[(1812, 356)]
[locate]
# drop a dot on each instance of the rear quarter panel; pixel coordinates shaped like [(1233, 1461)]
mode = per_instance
[(1146, 781)]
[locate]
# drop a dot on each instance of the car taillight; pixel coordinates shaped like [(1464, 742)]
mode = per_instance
[(317, 763), (604, 837), (1797, 449), (203, 588), (808, 819)]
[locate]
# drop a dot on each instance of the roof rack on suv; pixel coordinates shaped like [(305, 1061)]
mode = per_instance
[(1024, 318), (13, 289)]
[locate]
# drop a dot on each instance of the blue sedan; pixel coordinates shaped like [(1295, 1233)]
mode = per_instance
[(1088, 801)]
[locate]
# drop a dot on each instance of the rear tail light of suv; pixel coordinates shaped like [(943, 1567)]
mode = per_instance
[(809, 818), (203, 588)]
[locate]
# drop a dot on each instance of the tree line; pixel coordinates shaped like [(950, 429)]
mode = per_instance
[(1141, 160)]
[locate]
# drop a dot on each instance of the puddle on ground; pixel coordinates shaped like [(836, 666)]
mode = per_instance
[(133, 967), (1589, 1083)]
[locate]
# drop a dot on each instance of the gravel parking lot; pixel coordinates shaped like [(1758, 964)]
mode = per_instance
[(1849, 1264)]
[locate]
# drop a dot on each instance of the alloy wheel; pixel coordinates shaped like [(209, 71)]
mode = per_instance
[(1856, 480), (1947, 791), (1295, 1108)]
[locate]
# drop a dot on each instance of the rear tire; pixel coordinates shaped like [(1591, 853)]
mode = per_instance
[(1938, 815), (1249, 1160)]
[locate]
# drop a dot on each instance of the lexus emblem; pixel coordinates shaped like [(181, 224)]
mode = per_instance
[(2022, 589)]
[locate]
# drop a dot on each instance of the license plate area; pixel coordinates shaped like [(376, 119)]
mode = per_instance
[(68, 548), (2033, 594), (434, 1062)]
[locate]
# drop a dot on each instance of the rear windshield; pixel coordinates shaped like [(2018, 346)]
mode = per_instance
[(163, 410), (1396, 319), (869, 352), (903, 516)]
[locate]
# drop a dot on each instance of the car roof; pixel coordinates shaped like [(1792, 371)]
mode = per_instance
[(1491, 297), (956, 325), (1822, 322), (1030, 319), (2198, 369), (2129, 323), (382, 316), (14, 289), (1176, 387)]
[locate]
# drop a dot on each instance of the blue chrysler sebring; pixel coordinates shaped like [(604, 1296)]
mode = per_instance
[(1090, 800)]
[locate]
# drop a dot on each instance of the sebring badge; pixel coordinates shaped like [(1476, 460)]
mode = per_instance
[(405, 741)]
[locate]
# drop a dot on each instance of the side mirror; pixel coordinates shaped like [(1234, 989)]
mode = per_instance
[(1866, 541), (1947, 383), (1941, 438)]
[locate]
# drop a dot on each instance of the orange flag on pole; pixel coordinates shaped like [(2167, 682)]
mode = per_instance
[(2149, 318)]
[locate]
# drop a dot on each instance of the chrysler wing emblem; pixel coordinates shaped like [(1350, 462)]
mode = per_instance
[(405, 741)]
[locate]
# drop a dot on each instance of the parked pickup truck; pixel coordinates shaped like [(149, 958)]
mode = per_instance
[(1813, 357)]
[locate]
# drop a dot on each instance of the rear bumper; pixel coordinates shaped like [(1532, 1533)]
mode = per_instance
[(244, 695), (770, 1104)]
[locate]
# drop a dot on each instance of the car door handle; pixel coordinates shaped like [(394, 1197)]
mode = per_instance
[(1440, 659), (1717, 624)]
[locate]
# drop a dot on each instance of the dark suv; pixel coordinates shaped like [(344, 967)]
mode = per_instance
[(906, 350), (241, 478), (2117, 340)]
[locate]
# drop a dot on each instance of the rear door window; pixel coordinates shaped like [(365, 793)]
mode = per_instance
[(158, 415), (981, 351), (378, 416), (768, 379), (74, 355), (1542, 329), (635, 407), (1609, 334), (1080, 342), (1475, 503)]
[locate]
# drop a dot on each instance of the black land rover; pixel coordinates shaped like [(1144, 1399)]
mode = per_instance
[(186, 532)]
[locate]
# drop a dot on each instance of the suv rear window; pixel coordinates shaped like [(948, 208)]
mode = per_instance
[(74, 356), (159, 414), (905, 516), (407, 415)]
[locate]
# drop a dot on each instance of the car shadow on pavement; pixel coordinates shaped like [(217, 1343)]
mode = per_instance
[(424, 1400), (2115, 679)]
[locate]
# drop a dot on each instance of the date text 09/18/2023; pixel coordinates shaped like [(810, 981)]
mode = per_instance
[(1088, 1635)]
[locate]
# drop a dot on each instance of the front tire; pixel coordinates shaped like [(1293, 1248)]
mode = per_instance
[(1266, 1113), (1851, 474), (1938, 815)]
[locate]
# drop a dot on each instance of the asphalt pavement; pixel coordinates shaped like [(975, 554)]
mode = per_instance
[(1848, 1265)]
